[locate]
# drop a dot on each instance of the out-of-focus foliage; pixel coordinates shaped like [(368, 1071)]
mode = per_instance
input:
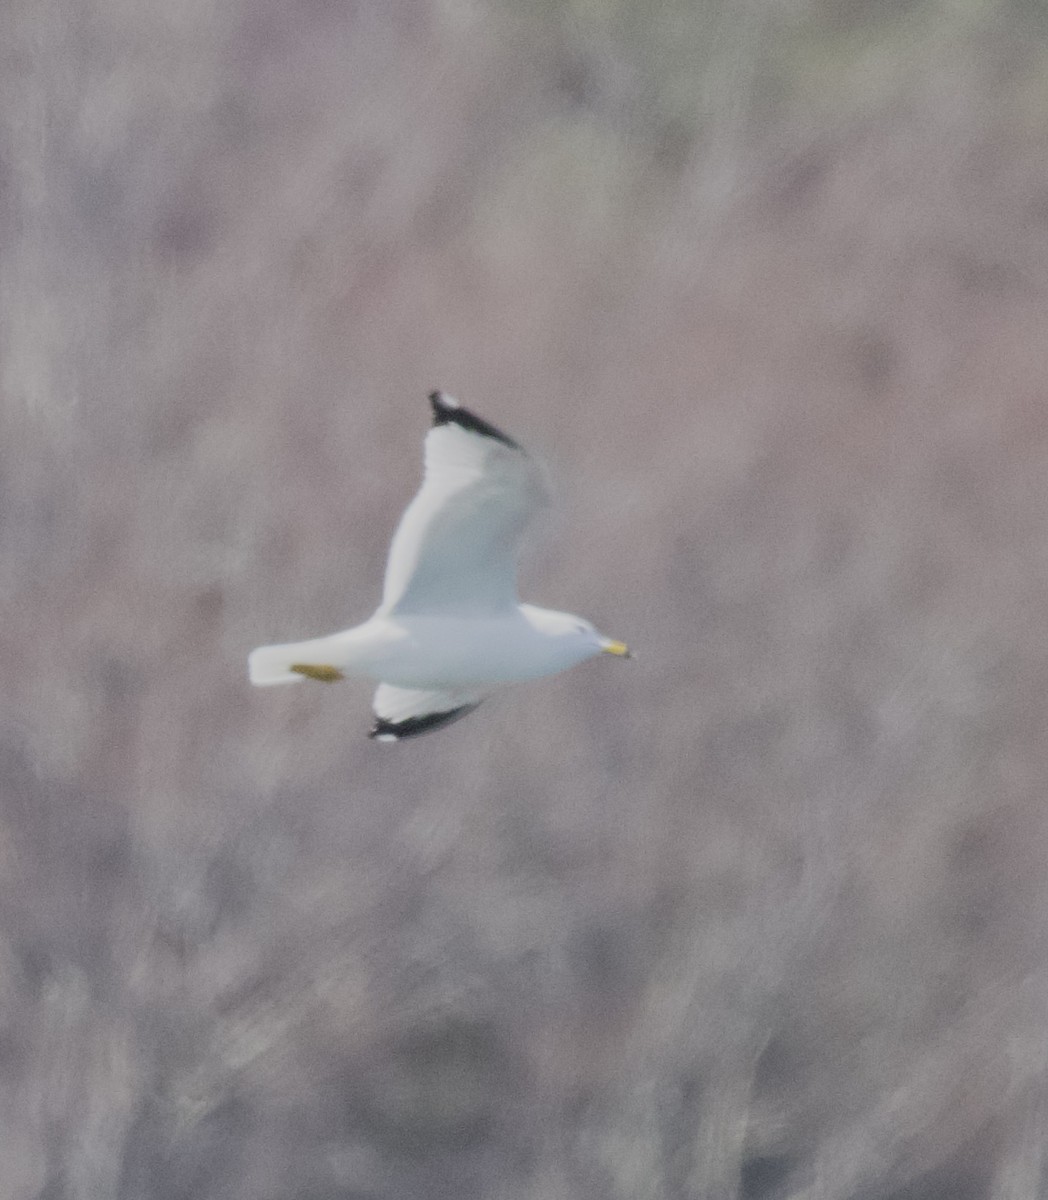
[(760, 915)]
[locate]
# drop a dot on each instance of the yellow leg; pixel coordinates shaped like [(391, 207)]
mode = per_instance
[(318, 671)]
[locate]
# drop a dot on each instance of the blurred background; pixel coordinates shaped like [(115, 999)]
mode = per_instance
[(762, 915)]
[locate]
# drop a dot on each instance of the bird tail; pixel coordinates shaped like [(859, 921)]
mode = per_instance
[(291, 663)]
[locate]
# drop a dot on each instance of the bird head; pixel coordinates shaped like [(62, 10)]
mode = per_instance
[(575, 633)]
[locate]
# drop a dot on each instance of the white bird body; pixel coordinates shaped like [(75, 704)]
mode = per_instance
[(449, 628), (427, 652)]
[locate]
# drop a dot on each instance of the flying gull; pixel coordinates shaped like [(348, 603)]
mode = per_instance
[(450, 628)]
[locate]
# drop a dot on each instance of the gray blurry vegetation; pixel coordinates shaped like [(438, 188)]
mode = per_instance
[(760, 916)]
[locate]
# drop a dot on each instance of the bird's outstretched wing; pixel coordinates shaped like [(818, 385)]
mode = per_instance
[(455, 549), (406, 712)]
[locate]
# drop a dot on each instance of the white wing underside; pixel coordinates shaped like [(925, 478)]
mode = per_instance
[(455, 549), (407, 712), (397, 704)]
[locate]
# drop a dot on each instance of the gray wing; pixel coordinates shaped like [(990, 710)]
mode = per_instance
[(406, 712), (455, 549)]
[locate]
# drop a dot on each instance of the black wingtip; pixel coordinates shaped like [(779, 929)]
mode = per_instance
[(397, 731), (447, 411)]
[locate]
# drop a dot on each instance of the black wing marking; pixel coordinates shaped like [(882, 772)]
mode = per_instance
[(396, 731), (449, 412)]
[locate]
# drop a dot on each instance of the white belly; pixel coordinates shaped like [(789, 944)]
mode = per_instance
[(443, 652)]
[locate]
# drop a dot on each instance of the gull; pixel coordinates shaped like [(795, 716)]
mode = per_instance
[(450, 628)]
